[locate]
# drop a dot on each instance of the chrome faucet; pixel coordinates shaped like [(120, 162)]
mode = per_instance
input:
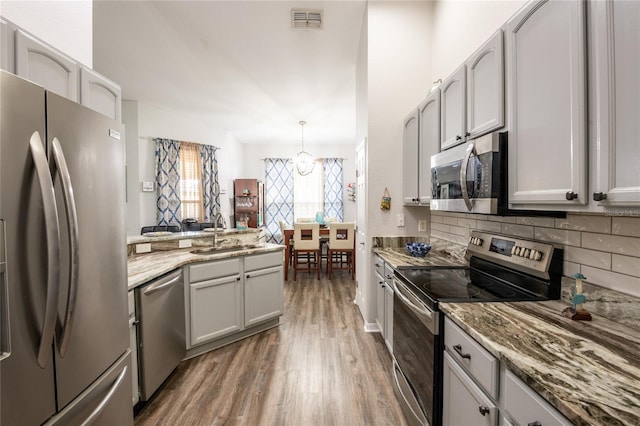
[(216, 218)]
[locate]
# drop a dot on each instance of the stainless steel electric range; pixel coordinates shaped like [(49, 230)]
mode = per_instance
[(501, 268)]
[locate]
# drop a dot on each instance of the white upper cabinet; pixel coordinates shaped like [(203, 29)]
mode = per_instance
[(100, 94), (40, 63), (453, 108), (410, 140), (429, 142), (615, 57), (7, 40), (546, 105), (485, 87)]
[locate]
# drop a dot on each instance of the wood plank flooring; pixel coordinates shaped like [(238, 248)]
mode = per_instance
[(318, 367)]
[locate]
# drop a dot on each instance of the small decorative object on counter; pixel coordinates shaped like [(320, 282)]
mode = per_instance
[(577, 311), (418, 249), (385, 203)]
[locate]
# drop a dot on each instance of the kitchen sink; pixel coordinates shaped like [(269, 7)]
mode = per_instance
[(226, 249)]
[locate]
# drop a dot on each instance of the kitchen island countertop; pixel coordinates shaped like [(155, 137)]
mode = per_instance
[(588, 370)]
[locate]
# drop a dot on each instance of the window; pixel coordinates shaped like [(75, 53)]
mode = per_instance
[(308, 193), (191, 206)]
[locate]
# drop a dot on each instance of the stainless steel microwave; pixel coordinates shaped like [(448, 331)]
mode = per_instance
[(472, 177)]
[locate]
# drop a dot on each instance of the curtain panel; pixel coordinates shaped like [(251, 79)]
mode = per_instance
[(190, 182), (279, 196), (333, 188), (168, 181), (210, 183)]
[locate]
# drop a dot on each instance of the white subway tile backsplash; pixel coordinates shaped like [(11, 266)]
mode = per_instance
[(599, 259), (629, 226), (612, 243), (590, 223), (469, 223), (522, 231), (450, 220), (485, 225), (437, 219), (558, 236), (460, 230), (626, 265), (570, 268), (547, 222), (440, 227), (619, 282)]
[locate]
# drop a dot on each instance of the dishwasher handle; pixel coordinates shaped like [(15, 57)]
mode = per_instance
[(162, 283)]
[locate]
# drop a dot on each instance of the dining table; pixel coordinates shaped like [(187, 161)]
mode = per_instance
[(288, 239)]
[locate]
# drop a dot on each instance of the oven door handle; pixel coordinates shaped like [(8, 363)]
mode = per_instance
[(426, 315), (471, 149)]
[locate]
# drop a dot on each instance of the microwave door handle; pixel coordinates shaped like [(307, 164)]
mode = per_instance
[(74, 243), (471, 149)]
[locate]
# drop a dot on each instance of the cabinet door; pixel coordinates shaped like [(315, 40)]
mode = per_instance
[(546, 75), (7, 43), (410, 138), (429, 111), (100, 94), (463, 401), (388, 316), (485, 87), (380, 312), (453, 110), (263, 295), (216, 309), (46, 66), (616, 29)]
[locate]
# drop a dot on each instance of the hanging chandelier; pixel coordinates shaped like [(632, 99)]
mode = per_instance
[(304, 160)]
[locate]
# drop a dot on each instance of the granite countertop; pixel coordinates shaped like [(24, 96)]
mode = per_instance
[(442, 254), (142, 268), (588, 370), (222, 233)]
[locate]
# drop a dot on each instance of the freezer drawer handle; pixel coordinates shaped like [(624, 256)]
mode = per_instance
[(53, 247), (74, 265), (89, 420), (153, 288), (5, 334)]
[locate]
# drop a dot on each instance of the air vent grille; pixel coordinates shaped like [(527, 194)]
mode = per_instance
[(306, 19)]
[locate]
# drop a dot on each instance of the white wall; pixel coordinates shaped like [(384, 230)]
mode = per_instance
[(65, 25), (253, 156), (156, 121)]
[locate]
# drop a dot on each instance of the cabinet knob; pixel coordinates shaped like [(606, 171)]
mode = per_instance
[(536, 423), (458, 137), (483, 410), (599, 196), (466, 135), (570, 195)]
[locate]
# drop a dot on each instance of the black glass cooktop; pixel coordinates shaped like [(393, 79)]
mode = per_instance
[(465, 285)]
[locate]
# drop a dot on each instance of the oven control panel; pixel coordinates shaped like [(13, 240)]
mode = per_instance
[(531, 256)]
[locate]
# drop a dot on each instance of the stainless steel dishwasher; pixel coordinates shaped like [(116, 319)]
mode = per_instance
[(161, 338)]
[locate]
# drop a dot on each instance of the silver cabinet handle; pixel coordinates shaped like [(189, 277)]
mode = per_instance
[(458, 349), (53, 247), (5, 331), (471, 149), (74, 242), (161, 285), (95, 413)]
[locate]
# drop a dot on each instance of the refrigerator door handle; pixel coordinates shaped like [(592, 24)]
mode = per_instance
[(74, 238), (53, 247), (95, 413), (5, 332)]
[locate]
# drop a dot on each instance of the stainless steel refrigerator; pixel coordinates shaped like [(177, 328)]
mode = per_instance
[(64, 284)]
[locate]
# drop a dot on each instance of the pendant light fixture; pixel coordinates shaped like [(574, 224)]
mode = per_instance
[(304, 160)]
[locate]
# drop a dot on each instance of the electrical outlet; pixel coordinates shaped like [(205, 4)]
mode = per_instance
[(422, 226), (143, 248), (399, 220), (184, 243)]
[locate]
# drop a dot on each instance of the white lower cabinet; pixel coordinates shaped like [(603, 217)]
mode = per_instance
[(133, 345), (464, 403), (263, 288), (383, 276)]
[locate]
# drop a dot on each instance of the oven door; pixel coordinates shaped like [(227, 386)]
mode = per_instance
[(467, 178), (417, 354)]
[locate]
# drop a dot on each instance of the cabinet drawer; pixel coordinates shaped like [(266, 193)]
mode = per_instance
[(132, 304), (481, 365), (261, 261), (525, 406), (388, 274), (207, 271), (378, 264)]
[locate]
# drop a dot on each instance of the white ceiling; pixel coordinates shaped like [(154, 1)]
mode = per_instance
[(238, 63)]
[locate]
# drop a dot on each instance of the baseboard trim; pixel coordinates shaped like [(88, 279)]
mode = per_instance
[(371, 327)]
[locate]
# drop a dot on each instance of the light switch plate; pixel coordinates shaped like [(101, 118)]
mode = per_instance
[(143, 248), (400, 220), (147, 186), (422, 226), (184, 243)]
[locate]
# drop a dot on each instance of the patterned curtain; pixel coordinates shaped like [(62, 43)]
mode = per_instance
[(279, 196), (333, 189), (168, 181), (210, 185)]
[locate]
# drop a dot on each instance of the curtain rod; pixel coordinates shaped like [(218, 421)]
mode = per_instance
[(198, 143)]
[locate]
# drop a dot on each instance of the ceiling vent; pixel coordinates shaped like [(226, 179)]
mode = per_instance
[(306, 19)]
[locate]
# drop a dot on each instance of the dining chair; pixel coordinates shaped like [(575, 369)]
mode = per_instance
[(306, 240), (283, 225), (341, 249), (306, 220)]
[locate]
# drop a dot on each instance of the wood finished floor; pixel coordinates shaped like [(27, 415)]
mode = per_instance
[(318, 367)]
